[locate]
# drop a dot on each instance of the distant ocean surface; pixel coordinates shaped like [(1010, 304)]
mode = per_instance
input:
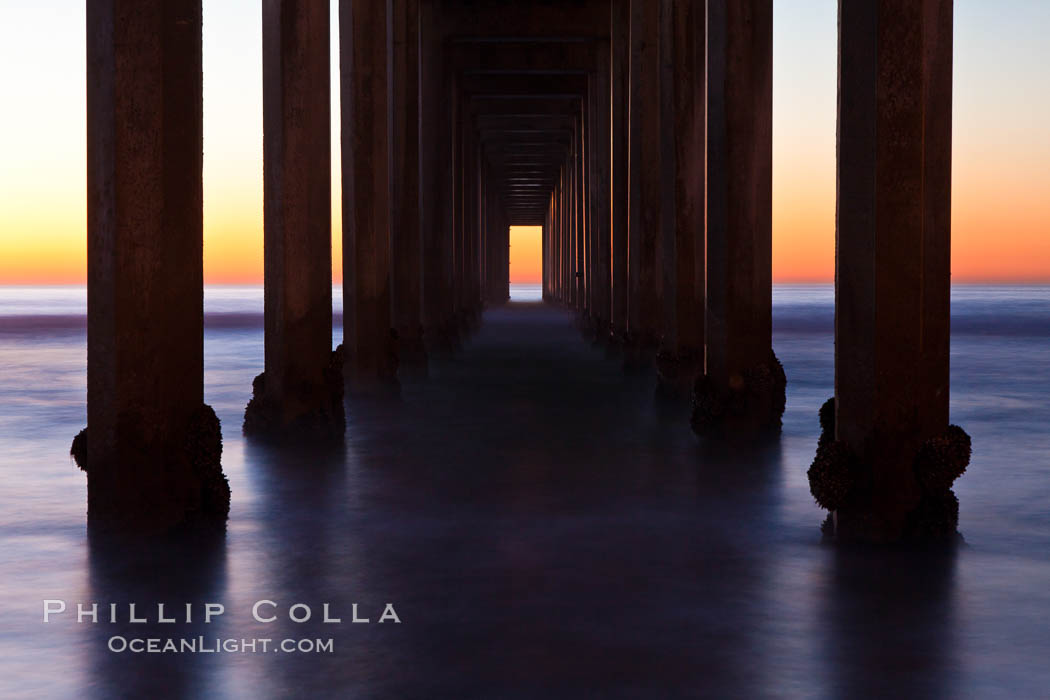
[(1000, 393)]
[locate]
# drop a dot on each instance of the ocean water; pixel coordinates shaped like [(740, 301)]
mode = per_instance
[(539, 527)]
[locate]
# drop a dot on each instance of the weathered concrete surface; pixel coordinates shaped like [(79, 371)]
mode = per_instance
[(743, 390), (601, 304), (643, 245), (682, 105), (407, 241), (152, 448), (619, 66), (579, 221), (297, 394), (435, 182), (893, 240), (364, 30)]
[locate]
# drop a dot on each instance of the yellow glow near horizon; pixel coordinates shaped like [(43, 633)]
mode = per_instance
[(526, 254), (1000, 209)]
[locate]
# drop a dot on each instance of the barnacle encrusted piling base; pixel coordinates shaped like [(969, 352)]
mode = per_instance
[(326, 422), (176, 485), (751, 408), (841, 484)]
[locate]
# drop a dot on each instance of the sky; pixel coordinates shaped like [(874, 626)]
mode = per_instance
[(1001, 144)]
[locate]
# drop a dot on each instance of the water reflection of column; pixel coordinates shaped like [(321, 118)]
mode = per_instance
[(304, 548), (888, 620), (175, 571)]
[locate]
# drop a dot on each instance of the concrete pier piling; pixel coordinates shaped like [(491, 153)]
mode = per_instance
[(406, 218), (742, 390), (365, 31), (300, 393), (152, 447), (680, 359), (644, 184), (892, 291)]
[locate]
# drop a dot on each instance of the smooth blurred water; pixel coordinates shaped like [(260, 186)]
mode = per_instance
[(526, 292), (540, 527)]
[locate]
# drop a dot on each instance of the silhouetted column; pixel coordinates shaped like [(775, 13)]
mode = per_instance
[(743, 390), (644, 223), (549, 251), (578, 223), (458, 208), (601, 311), (582, 222), (619, 65), (407, 241), (301, 391), (476, 239), (364, 60), (470, 226), (572, 284), (557, 239), (482, 238), (557, 270), (435, 150), (568, 279), (449, 191), (889, 472), (152, 447), (590, 200), (682, 104)]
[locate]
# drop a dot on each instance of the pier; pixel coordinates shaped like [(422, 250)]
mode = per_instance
[(637, 133)]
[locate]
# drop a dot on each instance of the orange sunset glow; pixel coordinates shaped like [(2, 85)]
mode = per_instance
[(526, 254), (1000, 212)]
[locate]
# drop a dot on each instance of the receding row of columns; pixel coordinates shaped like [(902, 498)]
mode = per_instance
[(687, 276), (638, 134), (659, 227)]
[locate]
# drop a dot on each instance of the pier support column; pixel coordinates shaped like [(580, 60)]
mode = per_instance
[(470, 298), (300, 394), (579, 222), (432, 203), (601, 311), (405, 224), (435, 179), (682, 60), (644, 216), (742, 392), (152, 447), (888, 457), (619, 66), (364, 76), (568, 276)]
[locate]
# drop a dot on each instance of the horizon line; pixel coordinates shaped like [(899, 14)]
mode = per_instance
[(969, 281)]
